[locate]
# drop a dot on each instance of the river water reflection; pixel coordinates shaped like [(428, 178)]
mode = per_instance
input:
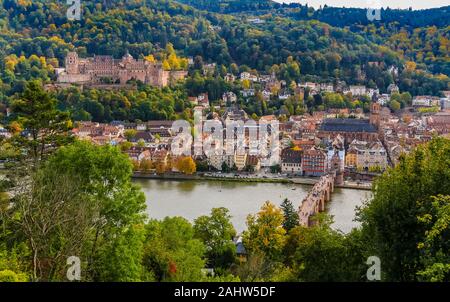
[(191, 199)]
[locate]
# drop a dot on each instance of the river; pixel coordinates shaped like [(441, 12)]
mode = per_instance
[(191, 199)]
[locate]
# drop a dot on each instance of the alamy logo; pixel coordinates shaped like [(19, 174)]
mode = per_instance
[(374, 10), (74, 10), (74, 270), (374, 271), (211, 138)]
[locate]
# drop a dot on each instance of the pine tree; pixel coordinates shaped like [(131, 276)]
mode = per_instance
[(36, 111), (291, 219)]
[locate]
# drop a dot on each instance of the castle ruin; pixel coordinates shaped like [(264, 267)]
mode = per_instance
[(106, 69)]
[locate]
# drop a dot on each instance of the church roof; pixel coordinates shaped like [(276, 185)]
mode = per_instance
[(347, 125)]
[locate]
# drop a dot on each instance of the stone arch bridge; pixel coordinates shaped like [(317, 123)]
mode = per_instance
[(315, 201)]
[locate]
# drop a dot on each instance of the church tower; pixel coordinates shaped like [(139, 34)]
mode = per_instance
[(375, 110)]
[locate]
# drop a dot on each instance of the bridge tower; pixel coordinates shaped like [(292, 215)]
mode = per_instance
[(337, 168)]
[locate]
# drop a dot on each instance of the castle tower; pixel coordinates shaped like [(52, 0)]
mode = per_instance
[(72, 63), (127, 58), (375, 110)]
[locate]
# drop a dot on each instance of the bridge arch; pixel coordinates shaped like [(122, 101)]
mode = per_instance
[(315, 201)]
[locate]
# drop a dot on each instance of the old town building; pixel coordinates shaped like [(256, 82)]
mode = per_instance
[(314, 162), (369, 156), (291, 161)]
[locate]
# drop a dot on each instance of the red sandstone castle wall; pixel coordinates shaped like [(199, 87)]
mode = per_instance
[(94, 69)]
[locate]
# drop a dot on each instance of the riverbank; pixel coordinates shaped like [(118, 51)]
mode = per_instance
[(139, 175), (245, 179)]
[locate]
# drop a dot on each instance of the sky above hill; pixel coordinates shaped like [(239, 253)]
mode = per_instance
[(370, 3)]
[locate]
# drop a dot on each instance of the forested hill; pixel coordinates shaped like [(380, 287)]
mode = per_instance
[(336, 16), (232, 6), (306, 50), (341, 16), (439, 17), (398, 29), (422, 36)]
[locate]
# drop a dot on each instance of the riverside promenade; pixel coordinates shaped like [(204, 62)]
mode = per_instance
[(249, 178)]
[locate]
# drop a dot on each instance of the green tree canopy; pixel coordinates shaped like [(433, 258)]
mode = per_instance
[(401, 196), (217, 233), (171, 251)]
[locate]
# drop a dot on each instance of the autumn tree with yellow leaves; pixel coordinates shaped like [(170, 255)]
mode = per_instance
[(146, 165), (265, 232), (186, 165), (169, 58)]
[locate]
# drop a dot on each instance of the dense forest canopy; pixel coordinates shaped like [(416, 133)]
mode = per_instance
[(41, 28), (296, 42), (335, 16), (232, 6), (341, 16), (426, 31)]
